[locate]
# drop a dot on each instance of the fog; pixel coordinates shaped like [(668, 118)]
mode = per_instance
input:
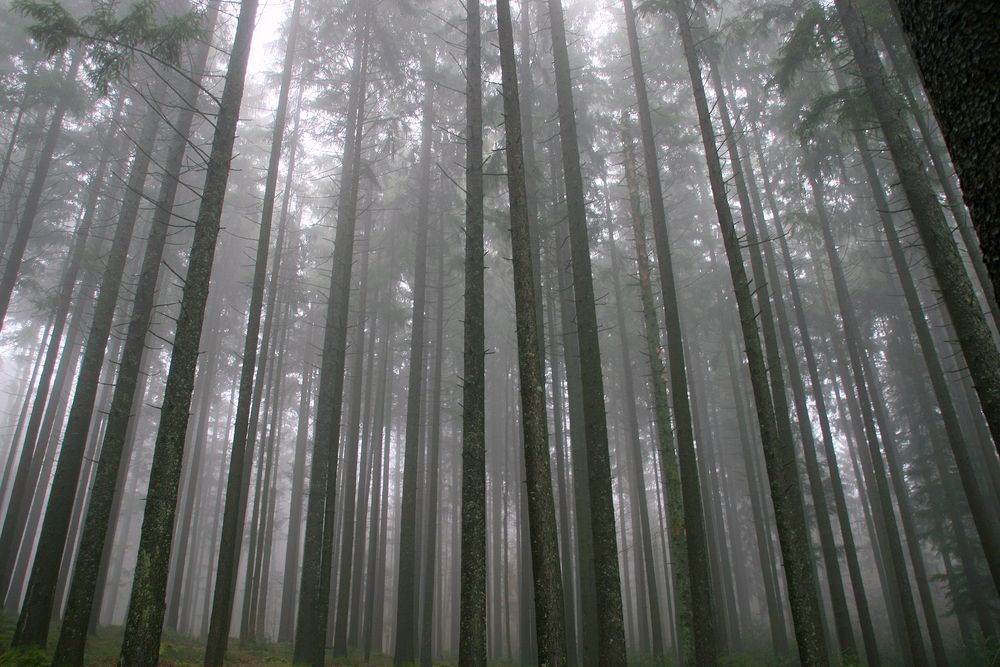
[(563, 333)]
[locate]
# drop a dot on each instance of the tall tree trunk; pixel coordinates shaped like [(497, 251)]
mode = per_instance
[(610, 625), (642, 541), (144, 623), (982, 517), (430, 560), (348, 568), (313, 607), (894, 543), (37, 610), (689, 546), (819, 398), (99, 525), (545, 566), (406, 609), (767, 282), (236, 485), (286, 623), (16, 511), (381, 429), (779, 454)]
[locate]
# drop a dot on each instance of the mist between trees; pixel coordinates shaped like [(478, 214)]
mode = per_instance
[(554, 333)]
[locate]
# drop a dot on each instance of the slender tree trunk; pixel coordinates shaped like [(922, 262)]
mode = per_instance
[(16, 513), (406, 609), (380, 467), (844, 632), (236, 491), (430, 547), (545, 566), (642, 541), (779, 454), (286, 624), (14, 256), (99, 525), (982, 517), (352, 440), (819, 398), (37, 610), (313, 608), (610, 625), (144, 623), (894, 543)]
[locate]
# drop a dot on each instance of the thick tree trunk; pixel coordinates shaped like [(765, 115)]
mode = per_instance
[(954, 46)]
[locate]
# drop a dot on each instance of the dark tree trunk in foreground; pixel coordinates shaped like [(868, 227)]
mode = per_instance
[(236, 491), (779, 454), (610, 625), (955, 47), (472, 645), (545, 566), (144, 623)]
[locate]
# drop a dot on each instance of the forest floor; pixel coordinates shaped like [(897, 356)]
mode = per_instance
[(175, 651), (181, 651)]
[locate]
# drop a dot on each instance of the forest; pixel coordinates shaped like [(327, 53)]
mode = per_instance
[(469, 332)]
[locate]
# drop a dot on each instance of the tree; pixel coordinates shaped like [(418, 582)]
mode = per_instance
[(779, 455), (549, 615), (610, 624), (236, 487), (689, 546), (472, 635), (36, 611), (313, 607), (144, 623), (967, 317)]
